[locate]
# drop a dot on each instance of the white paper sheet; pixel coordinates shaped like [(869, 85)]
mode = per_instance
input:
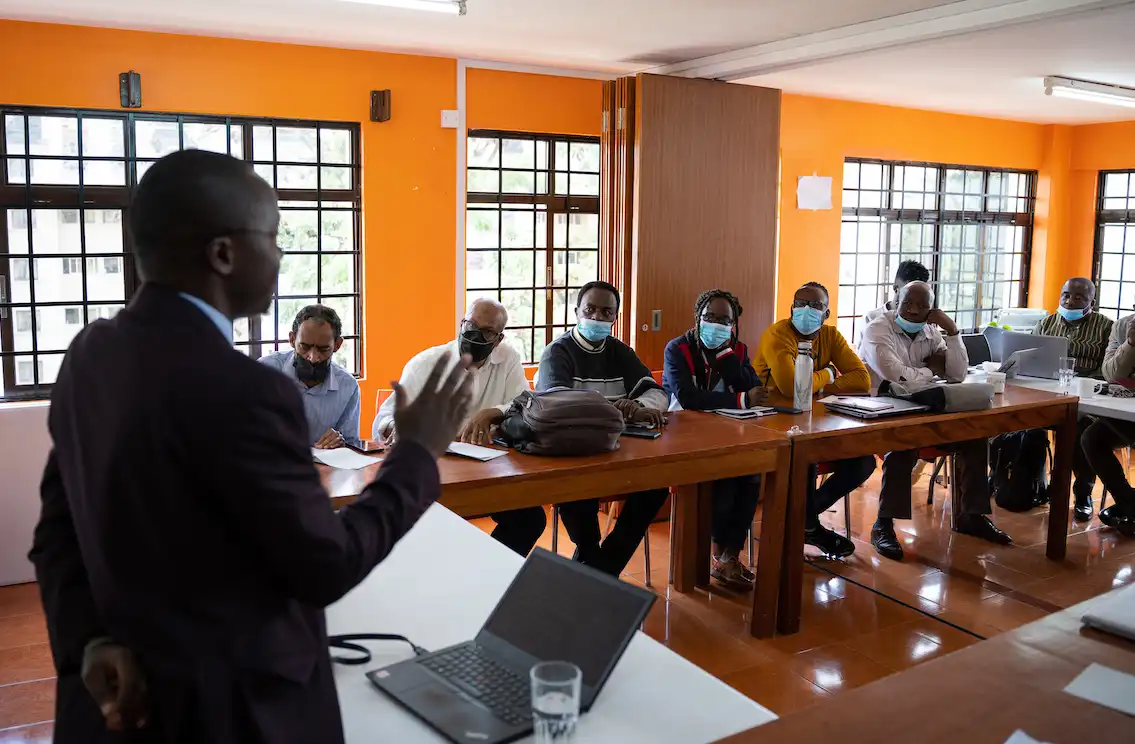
[(343, 458), (1105, 686), (473, 452), (745, 413), (1020, 737), (814, 192)]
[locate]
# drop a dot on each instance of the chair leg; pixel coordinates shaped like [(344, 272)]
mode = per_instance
[(555, 529), (953, 492), (673, 517), (646, 554), (847, 515)]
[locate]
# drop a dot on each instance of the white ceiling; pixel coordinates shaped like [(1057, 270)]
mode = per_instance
[(994, 72)]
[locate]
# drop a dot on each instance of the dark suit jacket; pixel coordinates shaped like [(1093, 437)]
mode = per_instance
[(183, 518)]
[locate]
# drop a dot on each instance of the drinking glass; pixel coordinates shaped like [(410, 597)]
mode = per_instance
[(555, 701), (1066, 372)]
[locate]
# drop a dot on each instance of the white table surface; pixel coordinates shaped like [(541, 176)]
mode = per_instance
[(1095, 405), (438, 587)]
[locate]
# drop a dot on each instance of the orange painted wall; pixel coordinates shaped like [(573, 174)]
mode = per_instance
[(520, 102), (817, 134)]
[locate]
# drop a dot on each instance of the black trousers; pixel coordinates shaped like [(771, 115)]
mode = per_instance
[(610, 555), (519, 529), (972, 463), (847, 475), (1082, 466), (1099, 442), (734, 504)]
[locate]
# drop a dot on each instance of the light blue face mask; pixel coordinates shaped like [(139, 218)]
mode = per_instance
[(1071, 315), (907, 325), (595, 331), (807, 320), (714, 335)]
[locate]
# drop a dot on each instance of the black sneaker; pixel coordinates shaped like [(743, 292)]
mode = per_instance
[(831, 543)]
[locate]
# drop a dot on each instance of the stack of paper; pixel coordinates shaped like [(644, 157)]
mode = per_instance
[(473, 452), (745, 413), (343, 458)]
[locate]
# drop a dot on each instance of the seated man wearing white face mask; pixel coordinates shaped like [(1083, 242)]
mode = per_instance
[(838, 371), (587, 358)]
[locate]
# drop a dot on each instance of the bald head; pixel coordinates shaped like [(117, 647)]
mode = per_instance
[(1076, 298), (189, 198), (488, 314)]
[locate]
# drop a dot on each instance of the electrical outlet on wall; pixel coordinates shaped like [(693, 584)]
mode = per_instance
[(450, 119)]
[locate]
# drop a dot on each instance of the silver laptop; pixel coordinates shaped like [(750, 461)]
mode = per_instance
[(1116, 615), (1039, 356), (867, 407)]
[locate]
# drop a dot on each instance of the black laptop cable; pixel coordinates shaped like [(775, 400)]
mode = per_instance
[(349, 642)]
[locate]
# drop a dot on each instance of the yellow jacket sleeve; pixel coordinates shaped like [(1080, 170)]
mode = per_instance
[(853, 375)]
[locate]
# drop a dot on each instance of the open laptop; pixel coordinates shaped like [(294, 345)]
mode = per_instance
[(1116, 615), (1038, 356), (554, 610), (866, 407)]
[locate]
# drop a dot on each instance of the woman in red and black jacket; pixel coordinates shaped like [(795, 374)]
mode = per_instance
[(705, 369)]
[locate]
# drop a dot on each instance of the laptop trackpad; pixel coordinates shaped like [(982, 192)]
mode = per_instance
[(453, 713)]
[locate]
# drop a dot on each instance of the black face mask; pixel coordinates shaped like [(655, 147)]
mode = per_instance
[(474, 344), (313, 373)]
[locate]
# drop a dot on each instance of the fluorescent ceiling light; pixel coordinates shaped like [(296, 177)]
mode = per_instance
[(456, 7), (1081, 90)]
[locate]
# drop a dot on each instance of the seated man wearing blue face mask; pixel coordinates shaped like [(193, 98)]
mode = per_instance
[(838, 371), (705, 369), (588, 358), (906, 345)]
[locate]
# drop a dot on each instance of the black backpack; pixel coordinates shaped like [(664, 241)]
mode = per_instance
[(1017, 475)]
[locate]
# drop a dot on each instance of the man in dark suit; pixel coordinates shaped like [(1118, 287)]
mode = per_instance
[(186, 548)]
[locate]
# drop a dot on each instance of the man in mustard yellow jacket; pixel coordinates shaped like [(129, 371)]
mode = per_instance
[(838, 370)]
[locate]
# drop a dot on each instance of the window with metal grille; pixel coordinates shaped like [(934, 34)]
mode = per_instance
[(532, 229), (66, 177), (1114, 266), (970, 226)]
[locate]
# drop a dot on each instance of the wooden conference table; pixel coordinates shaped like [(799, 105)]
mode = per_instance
[(696, 449), (437, 598), (825, 436), (979, 695)]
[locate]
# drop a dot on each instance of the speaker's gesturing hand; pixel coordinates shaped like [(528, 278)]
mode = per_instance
[(433, 418)]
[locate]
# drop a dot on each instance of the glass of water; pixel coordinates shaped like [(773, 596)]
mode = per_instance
[(1066, 372), (555, 701)]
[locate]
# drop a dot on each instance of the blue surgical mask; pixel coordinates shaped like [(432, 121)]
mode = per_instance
[(595, 331), (907, 325), (1071, 315), (807, 320), (714, 335)]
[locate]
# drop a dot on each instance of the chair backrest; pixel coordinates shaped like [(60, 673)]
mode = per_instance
[(993, 336), (977, 348)]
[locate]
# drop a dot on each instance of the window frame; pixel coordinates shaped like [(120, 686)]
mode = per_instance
[(1104, 218), (553, 205), (80, 198), (938, 218)]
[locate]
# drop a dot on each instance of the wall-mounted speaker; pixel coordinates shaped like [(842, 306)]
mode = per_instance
[(130, 89), (380, 105)]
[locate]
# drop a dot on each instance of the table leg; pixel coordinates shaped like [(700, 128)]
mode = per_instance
[(771, 555), (1059, 491), (792, 573), (702, 554), (686, 527)]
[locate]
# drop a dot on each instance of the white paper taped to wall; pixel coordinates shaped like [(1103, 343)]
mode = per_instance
[(814, 192)]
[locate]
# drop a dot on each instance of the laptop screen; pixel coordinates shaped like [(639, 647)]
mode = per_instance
[(558, 610)]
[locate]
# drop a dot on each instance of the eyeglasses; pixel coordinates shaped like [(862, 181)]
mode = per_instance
[(814, 304), (709, 317), (488, 334)]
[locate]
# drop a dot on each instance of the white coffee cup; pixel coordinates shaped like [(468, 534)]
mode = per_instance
[(991, 366), (997, 380), (1086, 387)]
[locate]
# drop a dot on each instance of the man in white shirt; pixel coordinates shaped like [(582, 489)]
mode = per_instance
[(906, 345), (498, 377)]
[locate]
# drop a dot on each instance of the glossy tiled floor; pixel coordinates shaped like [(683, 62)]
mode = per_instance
[(864, 618)]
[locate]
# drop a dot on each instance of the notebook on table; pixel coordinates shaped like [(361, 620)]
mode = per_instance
[(871, 408)]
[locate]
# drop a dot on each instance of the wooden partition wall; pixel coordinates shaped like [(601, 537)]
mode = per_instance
[(617, 192), (690, 203)]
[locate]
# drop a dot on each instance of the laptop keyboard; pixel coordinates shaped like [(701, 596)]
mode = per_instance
[(500, 689)]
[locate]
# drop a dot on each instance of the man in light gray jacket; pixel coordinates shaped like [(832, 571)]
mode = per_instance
[(1102, 438)]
